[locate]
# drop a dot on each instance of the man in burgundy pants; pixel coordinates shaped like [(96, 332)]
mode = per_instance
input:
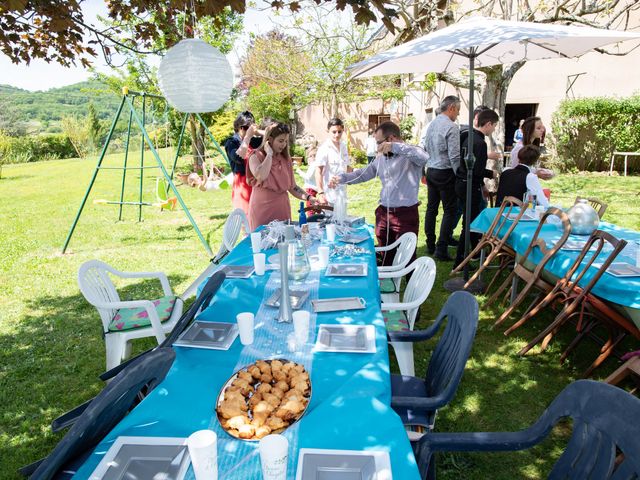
[(399, 167)]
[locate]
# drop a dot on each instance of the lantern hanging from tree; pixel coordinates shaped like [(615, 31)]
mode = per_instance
[(195, 77)]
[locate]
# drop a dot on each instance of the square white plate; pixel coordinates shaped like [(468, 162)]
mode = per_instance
[(238, 271), (298, 297), (346, 270), (354, 238), (525, 218), (346, 339), (321, 464), (144, 457), (621, 269), (211, 335)]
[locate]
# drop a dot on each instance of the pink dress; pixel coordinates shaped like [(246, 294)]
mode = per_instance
[(270, 199)]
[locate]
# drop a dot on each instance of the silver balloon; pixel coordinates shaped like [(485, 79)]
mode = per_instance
[(584, 219)]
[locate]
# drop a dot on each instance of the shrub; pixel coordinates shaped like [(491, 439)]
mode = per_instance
[(34, 148), (358, 156), (587, 131), (297, 151), (406, 127)]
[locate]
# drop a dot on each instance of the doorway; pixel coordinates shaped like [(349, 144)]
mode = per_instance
[(377, 119), (513, 113)]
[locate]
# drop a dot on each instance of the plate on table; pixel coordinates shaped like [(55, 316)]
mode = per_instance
[(298, 297), (338, 304), (322, 464), (354, 238), (211, 335), (346, 339), (249, 408), (525, 218), (620, 269), (574, 245), (144, 457), (346, 270), (238, 271), (274, 259)]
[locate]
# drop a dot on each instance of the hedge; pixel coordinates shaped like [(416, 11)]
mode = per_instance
[(588, 130), (34, 148)]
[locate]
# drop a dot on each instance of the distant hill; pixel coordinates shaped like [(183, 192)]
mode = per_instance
[(42, 110)]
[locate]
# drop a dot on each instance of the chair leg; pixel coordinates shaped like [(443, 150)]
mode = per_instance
[(504, 263), (501, 288), (468, 258), (578, 338), (532, 312), (116, 349), (481, 268), (604, 355), (404, 354), (557, 322)]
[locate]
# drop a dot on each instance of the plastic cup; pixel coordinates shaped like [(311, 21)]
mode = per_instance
[(331, 232), (245, 326), (323, 256), (274, 452), (301, 320), (256, 240), (203, 450), (259, 263)]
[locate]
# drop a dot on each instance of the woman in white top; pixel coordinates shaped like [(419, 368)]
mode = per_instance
[(332, 159), (532, 133)]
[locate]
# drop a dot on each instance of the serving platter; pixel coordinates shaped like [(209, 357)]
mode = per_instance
[(346, 270), (316, 463), (338, 304), (259, 419)]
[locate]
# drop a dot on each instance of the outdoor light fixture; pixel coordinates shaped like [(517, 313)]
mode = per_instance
[(195, 77)]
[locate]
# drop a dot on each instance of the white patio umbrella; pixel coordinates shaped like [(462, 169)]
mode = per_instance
[(483, 42)]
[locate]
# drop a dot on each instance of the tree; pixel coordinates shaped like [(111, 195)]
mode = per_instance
[(57, 31), (95, 128), (419, 17), (10, 122)]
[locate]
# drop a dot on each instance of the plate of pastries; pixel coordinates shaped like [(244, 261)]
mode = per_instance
[(263, 398)]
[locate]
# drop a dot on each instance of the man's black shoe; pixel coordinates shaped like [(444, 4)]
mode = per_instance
[(443, 257), (431, 249), (453, 242)]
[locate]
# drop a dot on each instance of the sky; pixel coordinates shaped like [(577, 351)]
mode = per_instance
[(40, 75)]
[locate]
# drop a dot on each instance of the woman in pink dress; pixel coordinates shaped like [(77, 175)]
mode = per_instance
[(270, 173)]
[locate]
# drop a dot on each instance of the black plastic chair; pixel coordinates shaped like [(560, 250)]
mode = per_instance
[(604, 442), (102, 414), (202, 302), (417, 400)]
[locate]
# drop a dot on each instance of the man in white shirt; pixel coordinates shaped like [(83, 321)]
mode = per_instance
[(371, 146), (332, 159)]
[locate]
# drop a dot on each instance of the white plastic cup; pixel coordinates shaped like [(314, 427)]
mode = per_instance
[(331, 232), (301, 320), (245, 326), (203, 450), (274, 453), (323, 256), (256, 240), (259, 263)]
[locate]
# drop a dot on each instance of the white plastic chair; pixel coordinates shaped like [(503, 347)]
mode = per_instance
[(402, 315), (406, 246), (98, 289), (230, 234)]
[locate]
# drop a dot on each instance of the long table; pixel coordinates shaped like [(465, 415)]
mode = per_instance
[(351, 393), (623, 292)]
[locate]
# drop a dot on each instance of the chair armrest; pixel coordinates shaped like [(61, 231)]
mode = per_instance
[(396, 273), (413, 336), (387, 306), (481, 441), (419, 403), (67, 419), (386, 248), (388, 268), (164, 281), (147, 305)]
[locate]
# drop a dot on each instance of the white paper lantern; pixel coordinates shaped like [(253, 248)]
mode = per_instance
[(195, 77)]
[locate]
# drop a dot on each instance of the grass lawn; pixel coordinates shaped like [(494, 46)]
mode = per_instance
[(51, 349)]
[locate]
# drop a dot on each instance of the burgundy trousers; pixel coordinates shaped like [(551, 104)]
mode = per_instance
[(391, 223)]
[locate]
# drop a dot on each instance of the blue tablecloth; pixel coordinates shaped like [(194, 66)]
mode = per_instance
[(351, 393), (624, 291)]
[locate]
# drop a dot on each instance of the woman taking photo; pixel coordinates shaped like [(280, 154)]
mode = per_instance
[(532, 133), (270, 174)]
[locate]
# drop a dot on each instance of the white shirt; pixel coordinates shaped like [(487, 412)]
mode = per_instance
[(533, 186), (335, 162), (372, 147), (310, 177)]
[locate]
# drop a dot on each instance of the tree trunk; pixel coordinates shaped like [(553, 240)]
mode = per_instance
[(197, 143)]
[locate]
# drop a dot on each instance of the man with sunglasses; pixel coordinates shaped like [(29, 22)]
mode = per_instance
[(399, 167)]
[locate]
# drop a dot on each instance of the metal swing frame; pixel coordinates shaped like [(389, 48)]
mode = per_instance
[(128, 98)]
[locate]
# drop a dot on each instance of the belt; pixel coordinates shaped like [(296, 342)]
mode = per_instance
[(399, 209)]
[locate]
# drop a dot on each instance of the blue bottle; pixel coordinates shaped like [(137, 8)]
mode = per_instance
[(303, 216)]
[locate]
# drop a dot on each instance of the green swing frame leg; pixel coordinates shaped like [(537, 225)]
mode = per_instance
[(124, 172)]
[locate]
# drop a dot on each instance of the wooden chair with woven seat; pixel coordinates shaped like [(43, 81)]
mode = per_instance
[(495, 240), (598, 205), (525, 270), (567, 288)]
